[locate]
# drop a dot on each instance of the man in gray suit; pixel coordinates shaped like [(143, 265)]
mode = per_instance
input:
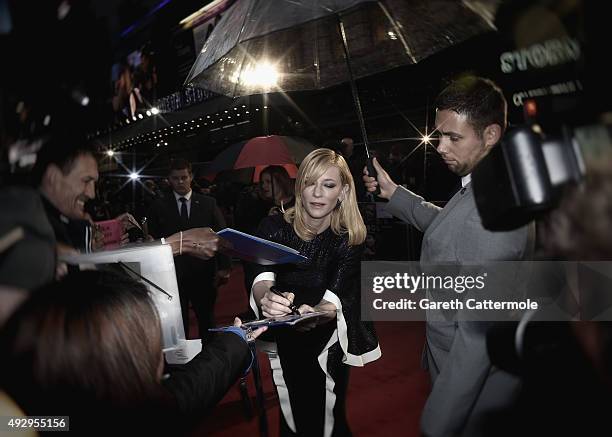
[(470, 120)]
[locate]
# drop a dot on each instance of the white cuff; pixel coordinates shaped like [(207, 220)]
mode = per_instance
[(350, 359), (264, 276)]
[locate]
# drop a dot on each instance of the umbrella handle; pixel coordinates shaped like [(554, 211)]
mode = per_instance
[(373, 173)]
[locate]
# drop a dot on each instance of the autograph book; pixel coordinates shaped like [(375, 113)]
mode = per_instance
[(258, 250)]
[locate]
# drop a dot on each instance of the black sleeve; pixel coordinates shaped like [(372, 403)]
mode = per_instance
[(345, 284), (345, 281), (202, 382), (268, 229)]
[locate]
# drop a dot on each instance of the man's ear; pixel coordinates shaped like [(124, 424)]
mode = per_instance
[(51, 177), (492, 134)]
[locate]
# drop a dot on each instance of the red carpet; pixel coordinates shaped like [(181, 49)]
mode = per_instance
[(385, 398)]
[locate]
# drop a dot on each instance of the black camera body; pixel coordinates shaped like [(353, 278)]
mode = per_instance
[(523, 177)]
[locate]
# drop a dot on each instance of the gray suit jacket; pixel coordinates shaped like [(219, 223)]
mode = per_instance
[(464, 384)]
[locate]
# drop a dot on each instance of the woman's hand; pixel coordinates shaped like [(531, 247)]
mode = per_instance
[(309, 324), (328, 308), (305, 309), (273, 305), (330, 314)]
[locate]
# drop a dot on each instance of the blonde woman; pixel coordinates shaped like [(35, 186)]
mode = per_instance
[(311, 366)]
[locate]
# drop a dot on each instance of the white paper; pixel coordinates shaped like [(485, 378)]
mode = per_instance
[(184, 352)]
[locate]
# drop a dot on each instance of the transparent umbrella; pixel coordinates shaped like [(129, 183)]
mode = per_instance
[(291, 45)]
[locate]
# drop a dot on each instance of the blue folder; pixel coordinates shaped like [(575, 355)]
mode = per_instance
[(258, 250), (288, 320)]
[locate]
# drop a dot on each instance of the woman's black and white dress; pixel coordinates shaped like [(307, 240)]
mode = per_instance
[(310, 369)]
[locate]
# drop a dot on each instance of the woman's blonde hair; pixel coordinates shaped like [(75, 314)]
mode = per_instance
[(346, 217)]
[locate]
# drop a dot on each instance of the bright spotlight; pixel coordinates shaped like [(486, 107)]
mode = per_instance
[(110, 152), (84, 101), (263, 74), (133, 176), (148, 113), (426, 139), (154, 111)]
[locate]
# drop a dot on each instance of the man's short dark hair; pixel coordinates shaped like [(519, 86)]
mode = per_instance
[(180, 164), (61, 149), (477, 98)]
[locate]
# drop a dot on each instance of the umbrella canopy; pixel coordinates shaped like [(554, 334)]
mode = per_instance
[(290, 45), (246, 175), (260, 152)]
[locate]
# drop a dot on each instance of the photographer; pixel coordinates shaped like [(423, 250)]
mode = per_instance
[(565, 367)]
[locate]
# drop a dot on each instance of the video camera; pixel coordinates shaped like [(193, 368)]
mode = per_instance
[(524, 176), (520, 180)]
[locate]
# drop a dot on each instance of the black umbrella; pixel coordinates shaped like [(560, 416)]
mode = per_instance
[(291, 45)]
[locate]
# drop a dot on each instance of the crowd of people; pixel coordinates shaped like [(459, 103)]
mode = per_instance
[(89, 343)]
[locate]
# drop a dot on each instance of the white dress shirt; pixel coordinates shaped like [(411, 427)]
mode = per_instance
[(178, 202)]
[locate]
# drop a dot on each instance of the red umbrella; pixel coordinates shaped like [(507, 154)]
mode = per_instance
[(260, 152)]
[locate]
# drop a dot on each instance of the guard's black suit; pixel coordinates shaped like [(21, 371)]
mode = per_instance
[(196, 277)]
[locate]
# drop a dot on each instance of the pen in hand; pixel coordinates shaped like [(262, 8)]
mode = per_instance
[(292, 307)]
